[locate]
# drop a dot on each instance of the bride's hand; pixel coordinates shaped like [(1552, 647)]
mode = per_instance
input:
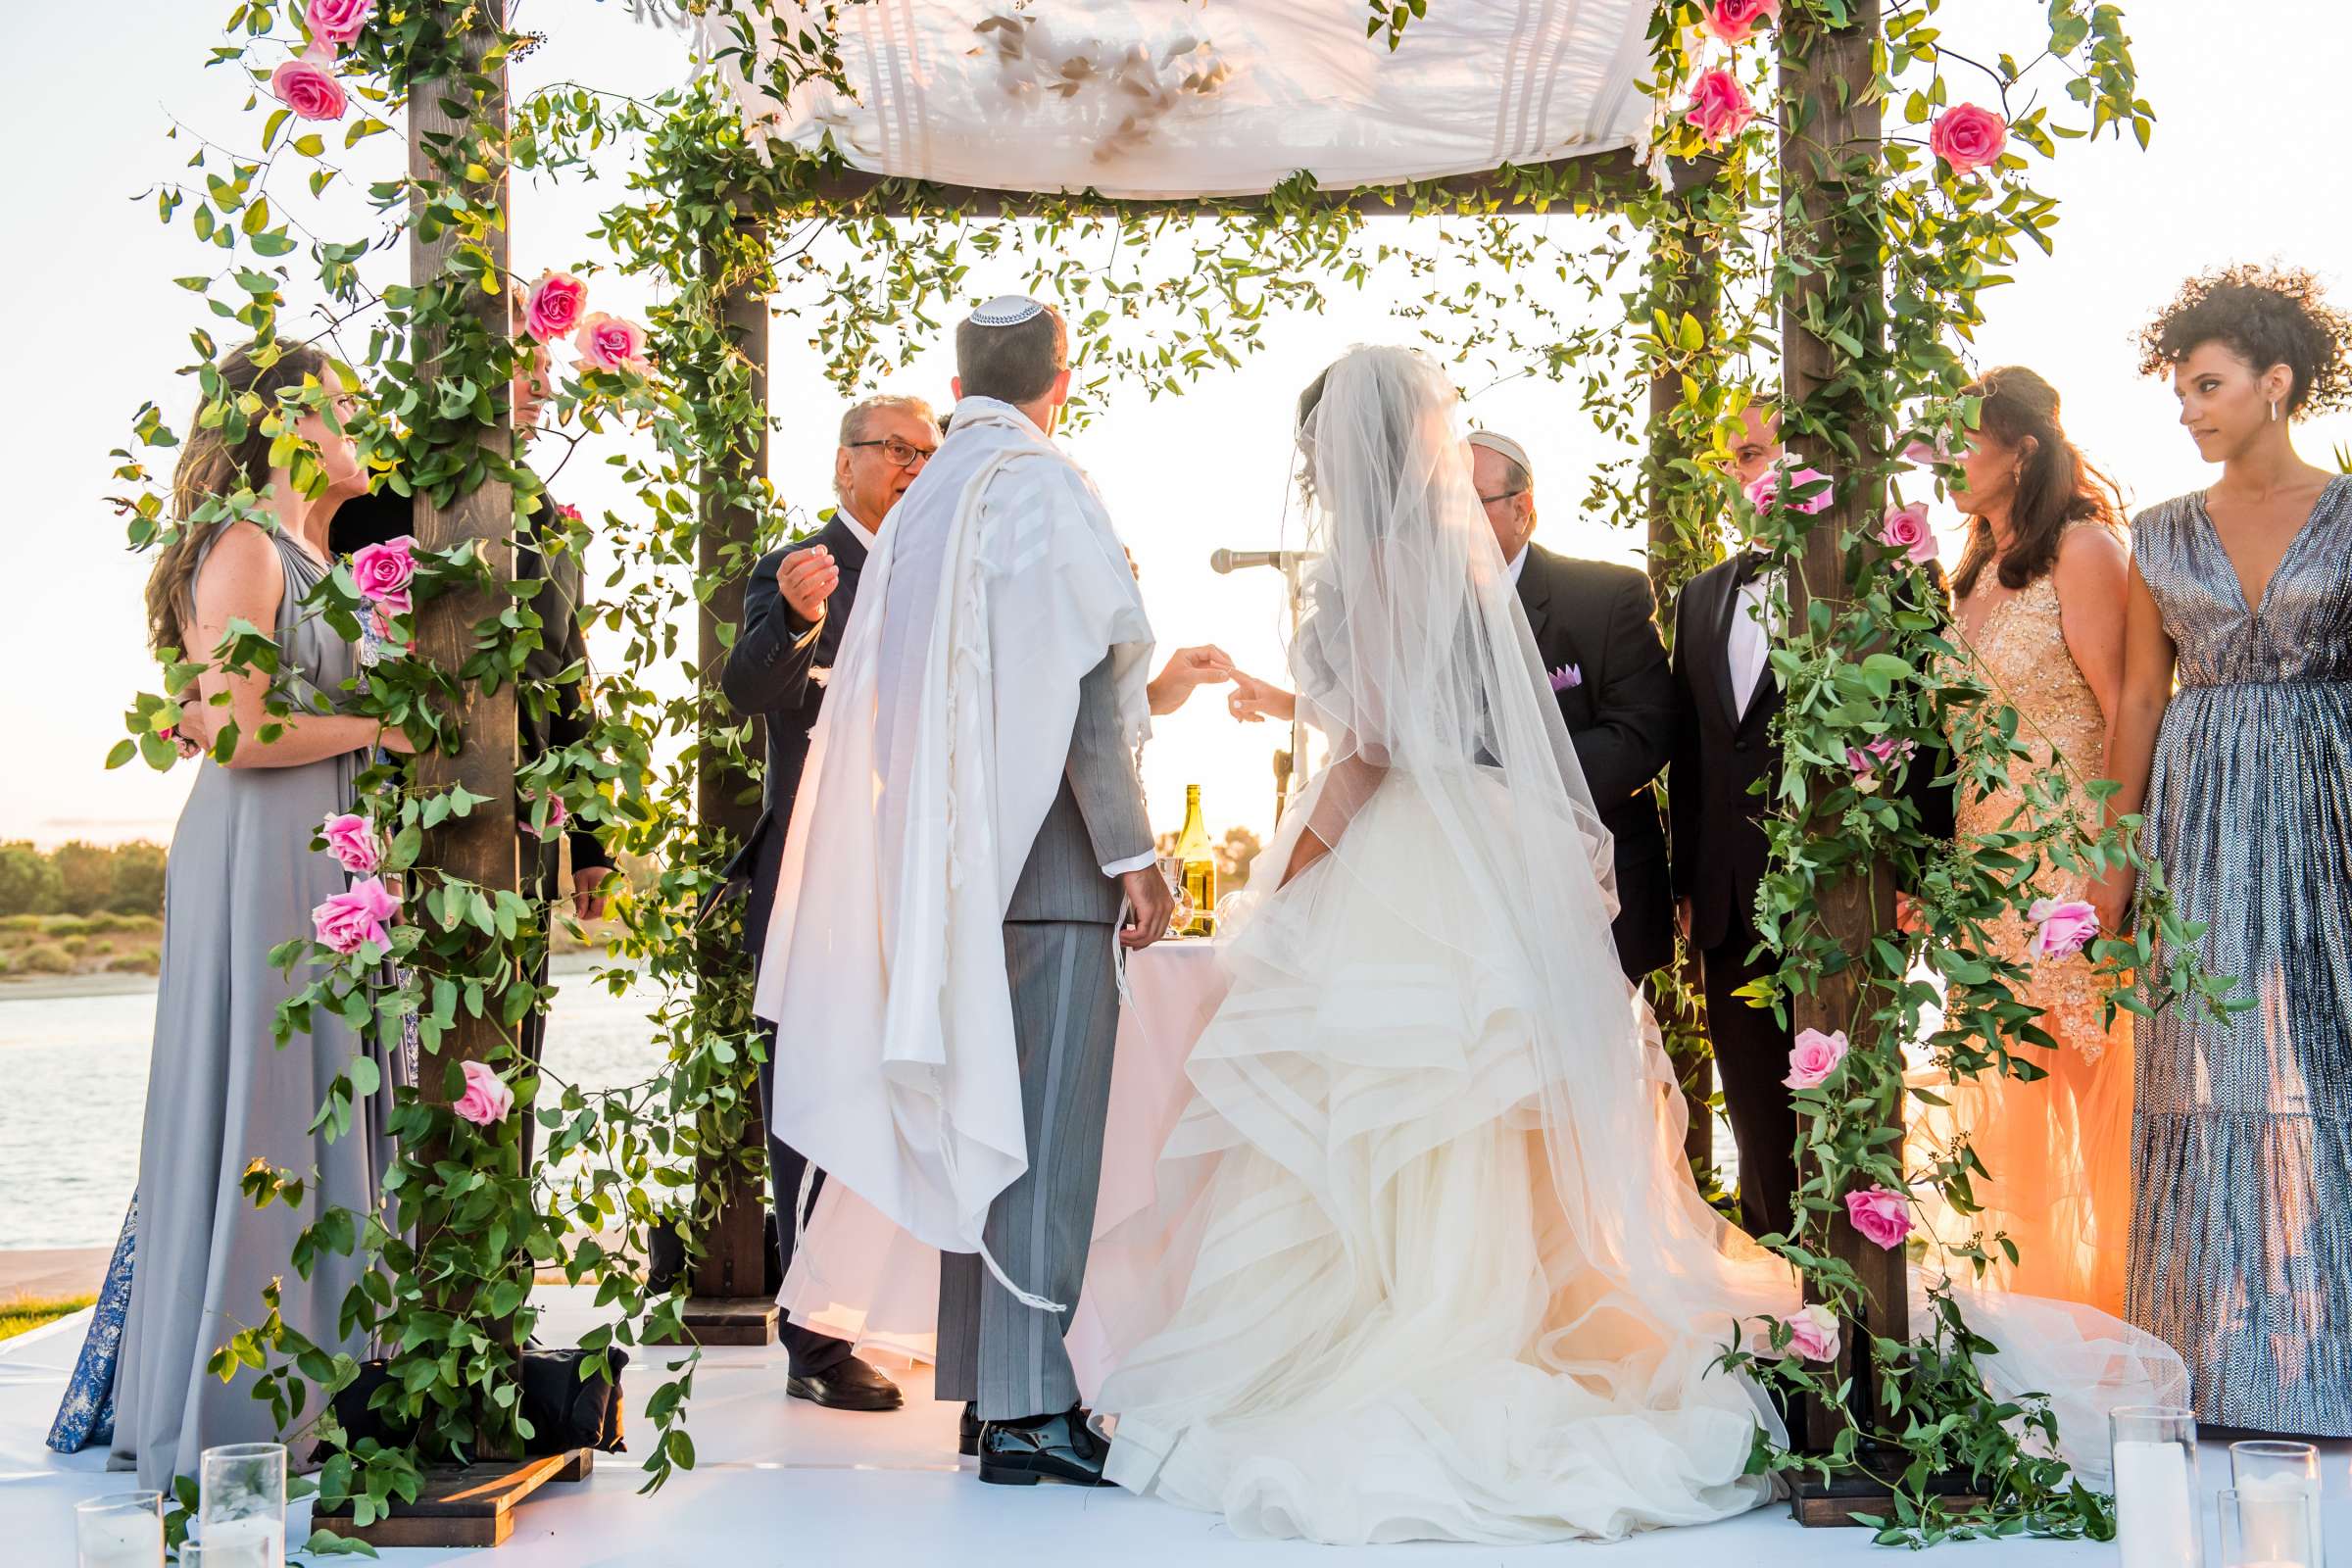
[(1254, 700)]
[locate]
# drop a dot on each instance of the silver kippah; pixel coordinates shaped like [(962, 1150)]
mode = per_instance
[(1006, 309), (1504, 445)]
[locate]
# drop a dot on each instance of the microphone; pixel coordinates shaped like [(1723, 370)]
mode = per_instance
[(1224, 561)]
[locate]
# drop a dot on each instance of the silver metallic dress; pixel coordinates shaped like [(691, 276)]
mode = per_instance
[(2242, 1230)]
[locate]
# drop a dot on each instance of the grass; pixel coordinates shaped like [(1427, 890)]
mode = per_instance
[(79, 943), (29, 1312)]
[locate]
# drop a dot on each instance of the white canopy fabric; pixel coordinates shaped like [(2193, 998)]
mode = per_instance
[(1190, 98)]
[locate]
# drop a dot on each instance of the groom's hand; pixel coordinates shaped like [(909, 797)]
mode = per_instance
[(1186, 671), (1149, 903)]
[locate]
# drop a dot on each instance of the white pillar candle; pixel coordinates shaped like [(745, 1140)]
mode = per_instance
[(257, 1541), (2155, 1510), (2274, 1521), (120, 1540)]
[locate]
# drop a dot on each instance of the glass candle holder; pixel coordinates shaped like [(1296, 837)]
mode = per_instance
[(122, 1530), (2156, 1513), (2272, 1514), (241, 1506), (1171, 870), (191, 1554)]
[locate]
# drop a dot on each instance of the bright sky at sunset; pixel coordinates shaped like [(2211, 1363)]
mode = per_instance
[(2246, 165)]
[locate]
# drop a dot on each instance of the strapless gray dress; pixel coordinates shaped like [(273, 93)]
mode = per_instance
[(222, 1092), (2241, 1231)]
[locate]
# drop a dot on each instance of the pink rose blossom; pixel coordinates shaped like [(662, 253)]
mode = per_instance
[(1969, 138), (610, 343), (338, 21), (1905, 528), (1735, 21), (1815, 1058), (567, 512), (351, 921), (1567, 678), (1867, 762), (1927, 454), (555, 306), (486, 1101), (2061, 928), (308, 87), (1765, 489), (385, 572), (1813, 1334), (351, 839), (1720, 108), (557, 816), (1881, 1215)]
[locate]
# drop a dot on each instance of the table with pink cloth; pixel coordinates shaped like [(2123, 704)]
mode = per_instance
[(858, 1276)]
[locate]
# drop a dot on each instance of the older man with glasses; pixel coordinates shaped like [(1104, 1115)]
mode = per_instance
[(795, 608)]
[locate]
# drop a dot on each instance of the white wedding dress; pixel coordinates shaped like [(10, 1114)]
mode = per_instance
[(1426, 1262)]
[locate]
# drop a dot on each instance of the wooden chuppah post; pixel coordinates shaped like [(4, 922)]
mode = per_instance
[(1830, 140), (730, 1303)]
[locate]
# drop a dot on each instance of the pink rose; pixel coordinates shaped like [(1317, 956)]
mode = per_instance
[(1926, 455), (555, 306), (567, 512), (556, 816), (610, 343), (351, 839), (351, 921), (1905, 528), (1881, 1215), (2061, 928), (486, 1101), (1765, 489), (385, 572), (1867, 762), (308, 87), (1567, 678), (1734, 21), (1969, 138), (1720, 108), (338, 21), (1815, 1058)]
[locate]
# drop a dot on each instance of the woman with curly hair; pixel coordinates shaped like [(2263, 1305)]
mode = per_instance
[(2241, 1231)]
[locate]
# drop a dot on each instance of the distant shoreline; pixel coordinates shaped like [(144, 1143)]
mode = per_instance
[(76, 987)]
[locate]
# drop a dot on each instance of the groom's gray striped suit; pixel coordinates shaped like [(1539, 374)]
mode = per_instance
[(1058, 934)]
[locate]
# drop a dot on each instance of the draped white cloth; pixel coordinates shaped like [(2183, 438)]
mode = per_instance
[(996, 586), (1184, 98)]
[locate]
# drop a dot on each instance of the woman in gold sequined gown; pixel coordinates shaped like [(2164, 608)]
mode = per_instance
[(2039, 620)]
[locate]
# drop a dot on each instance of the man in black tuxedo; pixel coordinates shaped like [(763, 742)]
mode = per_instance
[(1720, 790), (796, 606), (551, 712), (1596, 627)]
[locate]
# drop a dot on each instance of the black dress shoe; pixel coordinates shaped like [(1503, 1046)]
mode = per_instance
[(848, 1385), (1056, 1448), (967, 1431)]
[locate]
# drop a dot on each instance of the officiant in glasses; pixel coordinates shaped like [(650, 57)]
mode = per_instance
[(796, 606)]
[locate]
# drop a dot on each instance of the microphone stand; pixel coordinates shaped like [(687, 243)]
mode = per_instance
[(1290, 769)]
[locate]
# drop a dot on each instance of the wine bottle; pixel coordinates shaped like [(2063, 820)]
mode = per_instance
[(1200, 859)]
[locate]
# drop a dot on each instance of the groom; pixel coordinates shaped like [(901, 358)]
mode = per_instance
[(953, 892)]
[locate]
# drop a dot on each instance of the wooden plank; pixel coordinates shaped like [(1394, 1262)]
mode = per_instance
[(733, 1266), (725, 1320), (472, 1505), (1602, 181), (1831, 122)]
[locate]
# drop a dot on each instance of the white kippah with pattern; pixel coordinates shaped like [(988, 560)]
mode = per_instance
[(1006, 309), (1506, 446)]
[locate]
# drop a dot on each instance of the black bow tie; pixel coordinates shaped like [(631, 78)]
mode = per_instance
[(1753, 564)]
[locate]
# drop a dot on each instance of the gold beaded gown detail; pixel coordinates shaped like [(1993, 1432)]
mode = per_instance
[(2058, 1148)]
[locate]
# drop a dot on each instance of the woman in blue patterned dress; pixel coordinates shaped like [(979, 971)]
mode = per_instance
[(2242, 1230)]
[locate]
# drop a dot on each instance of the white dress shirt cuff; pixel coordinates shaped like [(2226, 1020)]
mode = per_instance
[(1119, 868)]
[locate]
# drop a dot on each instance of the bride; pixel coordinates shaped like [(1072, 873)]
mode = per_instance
[(1426, 1262)]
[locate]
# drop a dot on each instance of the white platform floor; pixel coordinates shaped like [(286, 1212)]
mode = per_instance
[(781, 1482)]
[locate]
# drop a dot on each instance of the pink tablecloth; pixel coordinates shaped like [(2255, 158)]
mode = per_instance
[(858, 1276)]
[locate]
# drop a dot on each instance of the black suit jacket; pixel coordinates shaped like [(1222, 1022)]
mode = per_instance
[(545, 719), (768, 676), (1600, 619), (1726, 766)]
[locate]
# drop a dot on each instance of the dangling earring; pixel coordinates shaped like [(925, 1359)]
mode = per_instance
[(2273, 411)]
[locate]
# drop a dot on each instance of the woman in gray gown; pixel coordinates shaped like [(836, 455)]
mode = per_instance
[(2242, 1230), (243, 878)]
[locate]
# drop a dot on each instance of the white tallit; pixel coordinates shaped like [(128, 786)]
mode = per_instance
[(996, 586)]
